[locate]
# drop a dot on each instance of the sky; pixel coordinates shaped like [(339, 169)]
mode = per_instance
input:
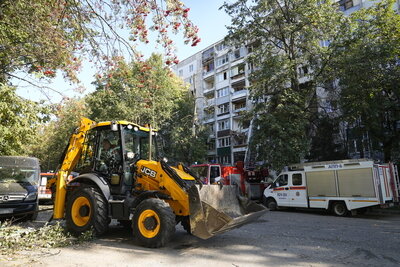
[(203, 13)]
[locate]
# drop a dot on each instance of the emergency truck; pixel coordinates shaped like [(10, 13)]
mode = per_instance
[(340, 186)]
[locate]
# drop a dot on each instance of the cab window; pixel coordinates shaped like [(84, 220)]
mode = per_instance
[(88, 152), (282, 180), (297, 179), (214, 173)]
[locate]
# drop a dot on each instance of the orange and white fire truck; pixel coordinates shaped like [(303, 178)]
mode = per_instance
[(340, 186)]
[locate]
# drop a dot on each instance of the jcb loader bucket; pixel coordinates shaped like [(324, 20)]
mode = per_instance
[(215, 210)]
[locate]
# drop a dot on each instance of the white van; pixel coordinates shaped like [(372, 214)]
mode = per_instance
[(340, 186)]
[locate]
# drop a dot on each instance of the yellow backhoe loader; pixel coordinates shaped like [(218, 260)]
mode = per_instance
[(118, 179)]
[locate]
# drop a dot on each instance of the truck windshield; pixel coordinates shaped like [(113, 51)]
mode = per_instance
[(138, 143), (13, 174)]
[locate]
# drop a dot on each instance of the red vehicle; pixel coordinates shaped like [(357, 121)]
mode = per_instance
[(251, 183)]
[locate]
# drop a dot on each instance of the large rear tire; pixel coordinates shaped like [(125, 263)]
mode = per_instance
[(87, 209), (339, 209), (153, 223)]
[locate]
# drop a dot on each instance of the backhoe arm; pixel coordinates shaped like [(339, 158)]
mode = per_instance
[(70, 160)]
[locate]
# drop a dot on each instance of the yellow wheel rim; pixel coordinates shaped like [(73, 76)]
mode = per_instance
[(149, 223), (78, 207)]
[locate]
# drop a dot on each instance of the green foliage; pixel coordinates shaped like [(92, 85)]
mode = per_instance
[(325, 144), (53, 137), (19, 119), (288, 63), (43, 36), (369, 73), (149, 93), (141, 92), (184, 139), (14, 238), (37, 36)]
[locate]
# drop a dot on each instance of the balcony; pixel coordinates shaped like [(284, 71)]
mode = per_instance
[(209, 102), (239, 94), (208, 55), (208, 91)]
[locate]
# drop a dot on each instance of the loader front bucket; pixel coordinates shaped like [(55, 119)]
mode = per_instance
[(215, 209)]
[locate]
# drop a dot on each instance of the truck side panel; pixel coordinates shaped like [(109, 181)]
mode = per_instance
[(321, 183), (356, 183)]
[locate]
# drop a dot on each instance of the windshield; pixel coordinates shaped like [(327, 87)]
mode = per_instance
[(201, 172), (137, 142), (13, 174)]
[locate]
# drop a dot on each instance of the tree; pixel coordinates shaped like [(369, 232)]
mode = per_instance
[(45, 35), (19, 119), (52, 138), (369, 76), (142, 92), (288, 60), (149, 93), (184, 139)]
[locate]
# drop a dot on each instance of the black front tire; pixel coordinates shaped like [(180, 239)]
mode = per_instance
[(87, 209), (153, 223), (271, 204)]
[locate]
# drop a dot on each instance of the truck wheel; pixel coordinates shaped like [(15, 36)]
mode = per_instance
[(153, 223), (271, 204), (86, 209), (339, 209)]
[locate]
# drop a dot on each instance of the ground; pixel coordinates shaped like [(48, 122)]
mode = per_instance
[(283, 238)]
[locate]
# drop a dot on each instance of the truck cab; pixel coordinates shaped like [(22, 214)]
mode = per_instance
[(208, 173), (288, 190)]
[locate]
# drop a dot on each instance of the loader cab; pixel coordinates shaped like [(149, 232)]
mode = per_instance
[(110, 150)]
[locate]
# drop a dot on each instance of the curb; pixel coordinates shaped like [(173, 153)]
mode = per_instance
[(384, 211)]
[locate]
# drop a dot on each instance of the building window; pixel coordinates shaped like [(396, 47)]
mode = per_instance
[(211, 144), (223, 92), (224, 142), (223, 125), (208, 67), (222, 60), (240, 105), (180, 73), (238, 53), (222, 76), (238, 70), (191, 68), (220, 46), (347, 4), (222, 109), (225, 160)]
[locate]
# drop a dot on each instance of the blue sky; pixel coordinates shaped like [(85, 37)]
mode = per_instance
[(204, 13)]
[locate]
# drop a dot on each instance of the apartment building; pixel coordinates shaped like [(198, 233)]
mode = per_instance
[(218, 78)]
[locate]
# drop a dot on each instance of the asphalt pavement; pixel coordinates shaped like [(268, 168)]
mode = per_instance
[(280, 238)]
